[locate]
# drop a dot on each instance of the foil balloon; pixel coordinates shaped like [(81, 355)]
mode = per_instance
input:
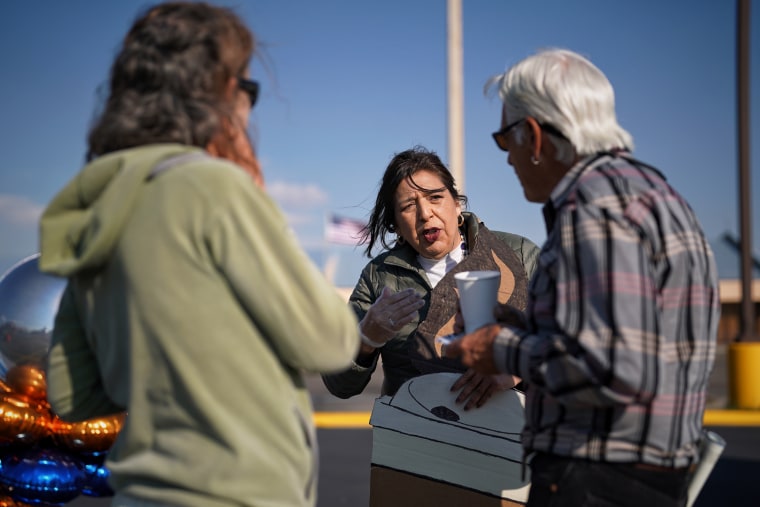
[(41, 476), (22, 422), (27, 380), (28, 303), (6, 501), (90, 436), (95, 476)]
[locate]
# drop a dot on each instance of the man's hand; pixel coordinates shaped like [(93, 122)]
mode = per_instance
[(476, 349), (477, 389)]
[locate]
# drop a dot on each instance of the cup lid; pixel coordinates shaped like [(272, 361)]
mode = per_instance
[(476, 275)]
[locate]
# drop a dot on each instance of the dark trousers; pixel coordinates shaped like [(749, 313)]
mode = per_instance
[(558, 481)]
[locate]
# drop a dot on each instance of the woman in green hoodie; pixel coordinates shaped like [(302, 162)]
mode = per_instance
[(189, 304)]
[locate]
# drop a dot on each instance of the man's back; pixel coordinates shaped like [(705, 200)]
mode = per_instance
[(626, 295)]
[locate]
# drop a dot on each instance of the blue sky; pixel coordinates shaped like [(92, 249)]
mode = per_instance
[(348, 83)]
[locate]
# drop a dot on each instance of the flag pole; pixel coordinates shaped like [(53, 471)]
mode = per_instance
[(455, 91), (329, 259)]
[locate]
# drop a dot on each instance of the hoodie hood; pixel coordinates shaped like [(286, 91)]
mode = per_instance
[(82, 224)]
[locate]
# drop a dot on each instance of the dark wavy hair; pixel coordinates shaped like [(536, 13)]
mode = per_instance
[(167, 83), (404, 165)]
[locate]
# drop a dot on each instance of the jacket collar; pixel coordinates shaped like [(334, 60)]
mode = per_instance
[(566, 186)]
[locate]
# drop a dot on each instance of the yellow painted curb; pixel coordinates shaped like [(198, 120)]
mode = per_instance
[(732, 418), (360, 420), (338, 420)]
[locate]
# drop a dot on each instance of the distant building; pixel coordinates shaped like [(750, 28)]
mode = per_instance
[(728, 260)]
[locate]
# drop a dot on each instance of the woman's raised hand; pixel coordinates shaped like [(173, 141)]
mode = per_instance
[(390, 313)]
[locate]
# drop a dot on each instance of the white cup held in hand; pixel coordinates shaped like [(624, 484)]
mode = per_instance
[(477, 297)]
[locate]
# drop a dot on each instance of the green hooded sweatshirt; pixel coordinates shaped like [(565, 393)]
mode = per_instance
[(190, 306)]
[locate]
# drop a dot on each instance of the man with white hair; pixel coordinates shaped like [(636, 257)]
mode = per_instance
[(618, 339)]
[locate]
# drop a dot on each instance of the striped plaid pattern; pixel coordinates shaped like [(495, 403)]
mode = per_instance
[(623, 315)]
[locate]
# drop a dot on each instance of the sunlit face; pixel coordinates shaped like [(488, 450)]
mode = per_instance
[(535, 180), (427, 219)]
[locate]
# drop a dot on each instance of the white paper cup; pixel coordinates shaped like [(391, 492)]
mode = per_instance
[(477, 297)]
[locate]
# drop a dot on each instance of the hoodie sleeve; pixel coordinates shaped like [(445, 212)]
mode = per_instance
[(74, 387), (291, 303)]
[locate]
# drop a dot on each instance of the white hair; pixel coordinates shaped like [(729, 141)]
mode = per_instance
[(565, 90)]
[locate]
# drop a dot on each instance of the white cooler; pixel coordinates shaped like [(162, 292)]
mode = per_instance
[(427, 451)]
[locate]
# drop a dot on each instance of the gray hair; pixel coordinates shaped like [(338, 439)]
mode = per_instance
[(565, 90)]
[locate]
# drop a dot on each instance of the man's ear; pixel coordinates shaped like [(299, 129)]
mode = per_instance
[(537, 136), (231, 89)]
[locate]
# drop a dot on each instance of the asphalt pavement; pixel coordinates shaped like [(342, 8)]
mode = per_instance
[(345, 441), (345, 456)]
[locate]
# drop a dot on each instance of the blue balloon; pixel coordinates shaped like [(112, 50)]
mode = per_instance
[(41, 476), (96, 481), (96, 475)]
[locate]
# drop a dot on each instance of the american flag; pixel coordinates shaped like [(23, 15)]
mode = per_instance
[(344, 231)]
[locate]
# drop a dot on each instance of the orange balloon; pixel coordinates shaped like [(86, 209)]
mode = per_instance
[(6, 501), (20, 421), (28, 380), (92, 435)]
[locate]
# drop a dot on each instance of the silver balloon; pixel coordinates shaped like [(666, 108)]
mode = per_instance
[(28, 303)]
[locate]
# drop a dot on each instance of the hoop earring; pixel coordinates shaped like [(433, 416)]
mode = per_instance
[(534, 160), (400, 240), (460, 220)]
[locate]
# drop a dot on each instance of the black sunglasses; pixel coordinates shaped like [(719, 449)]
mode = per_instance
[(501, 136), (251, 88)]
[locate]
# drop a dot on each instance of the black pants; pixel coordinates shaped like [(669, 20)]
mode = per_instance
[(558, 481)]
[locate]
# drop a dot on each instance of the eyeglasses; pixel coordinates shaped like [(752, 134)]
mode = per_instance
[(501, 136), (251, 88)]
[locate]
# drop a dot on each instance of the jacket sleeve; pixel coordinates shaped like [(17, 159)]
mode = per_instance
[(529, 251), (354, 379), (291, 303), (74, 387)]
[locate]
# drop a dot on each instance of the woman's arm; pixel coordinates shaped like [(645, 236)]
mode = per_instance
[(74, 385), (288, 299)]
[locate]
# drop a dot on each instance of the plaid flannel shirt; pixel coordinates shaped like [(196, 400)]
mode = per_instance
[(622, 320)]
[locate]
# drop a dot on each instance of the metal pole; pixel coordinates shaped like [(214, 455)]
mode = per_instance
[(455, 90), (747, 325)]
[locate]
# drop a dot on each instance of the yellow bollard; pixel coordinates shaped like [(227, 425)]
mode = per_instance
[(744, 375)]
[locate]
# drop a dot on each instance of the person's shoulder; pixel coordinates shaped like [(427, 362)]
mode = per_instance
[(383, 257), (515, 240), (526, 249), (211, 175), (398, 256), (621, 176), (215, 167)]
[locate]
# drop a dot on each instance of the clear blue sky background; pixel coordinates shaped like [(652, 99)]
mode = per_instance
[(348, 83)]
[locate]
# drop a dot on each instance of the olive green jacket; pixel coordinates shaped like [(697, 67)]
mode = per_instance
[(191, 306), (411, 352)]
